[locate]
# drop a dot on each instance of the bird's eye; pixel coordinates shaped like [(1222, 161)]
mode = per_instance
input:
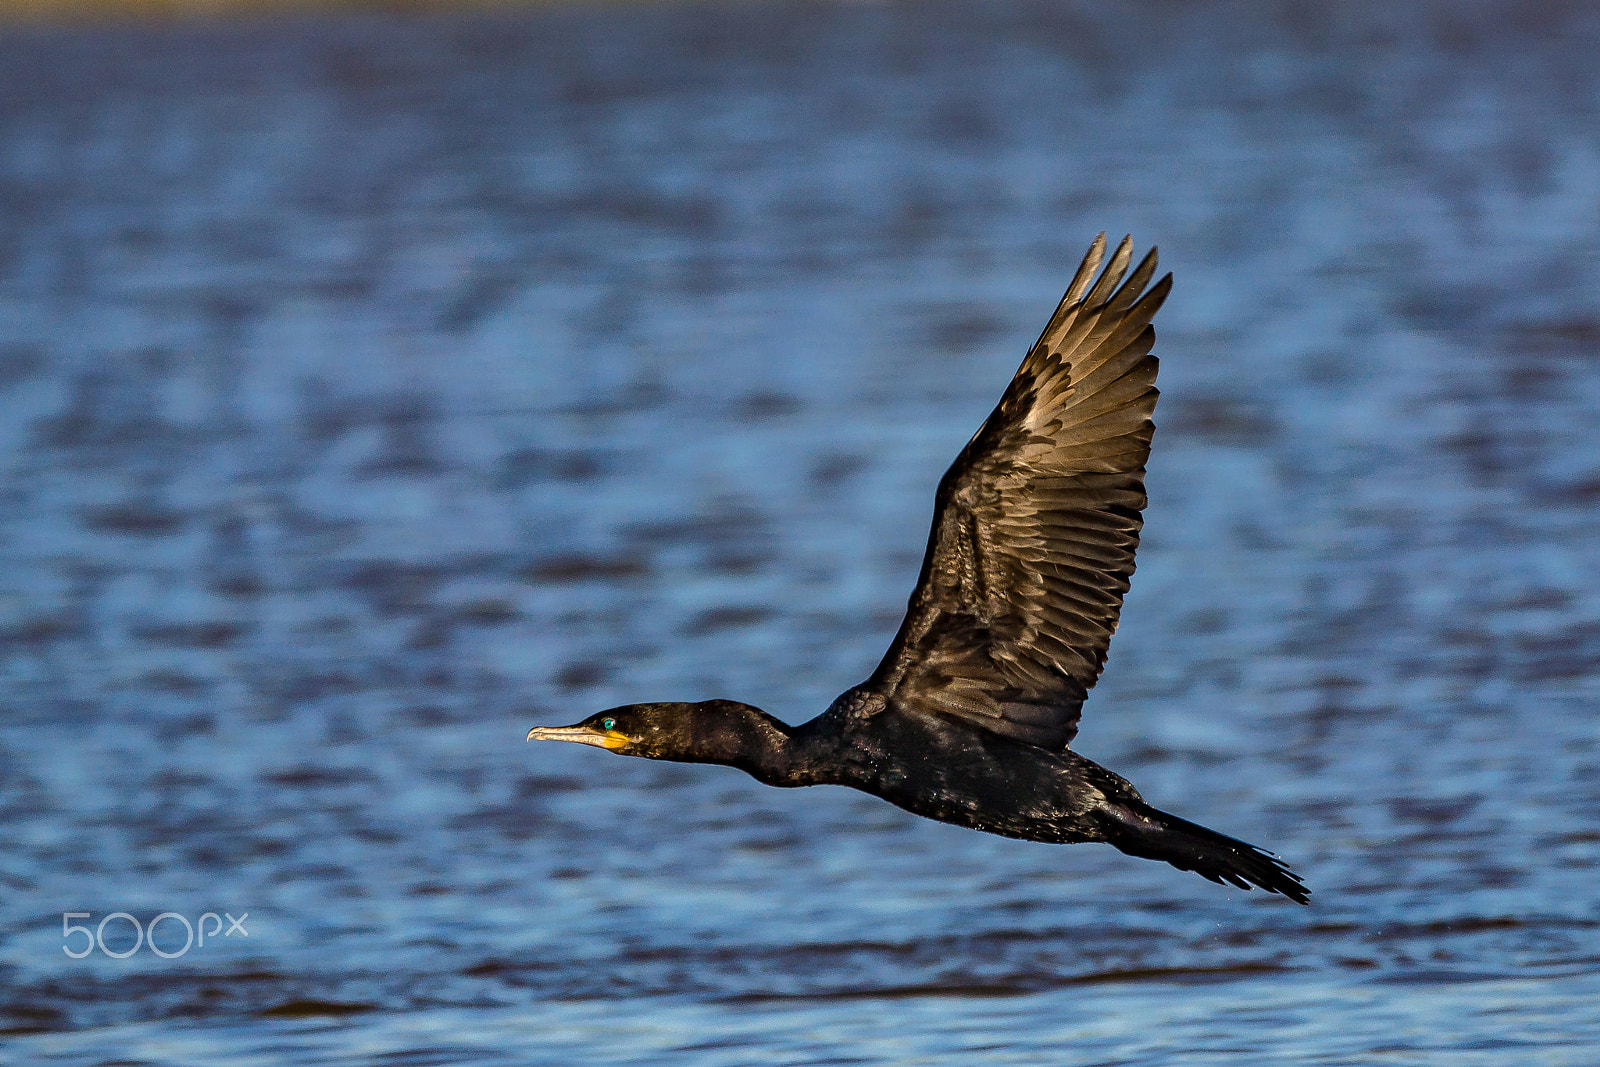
[(608, 724)]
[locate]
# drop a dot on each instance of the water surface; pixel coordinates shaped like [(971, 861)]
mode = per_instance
[(373, 389)]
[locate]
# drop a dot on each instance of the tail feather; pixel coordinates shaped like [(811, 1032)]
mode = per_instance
[(1149, 833)]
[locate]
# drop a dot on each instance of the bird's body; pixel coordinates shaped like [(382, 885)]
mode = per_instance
[(968, 718), (981, 781)]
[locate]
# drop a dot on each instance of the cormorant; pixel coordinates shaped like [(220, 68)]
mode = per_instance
[(970, 715)]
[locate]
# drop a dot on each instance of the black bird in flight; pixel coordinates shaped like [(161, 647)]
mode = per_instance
[(969, 717)]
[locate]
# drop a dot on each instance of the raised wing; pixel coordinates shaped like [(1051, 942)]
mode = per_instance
[(1036, 523)]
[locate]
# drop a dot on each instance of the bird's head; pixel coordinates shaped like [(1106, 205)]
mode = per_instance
[(675, 730)]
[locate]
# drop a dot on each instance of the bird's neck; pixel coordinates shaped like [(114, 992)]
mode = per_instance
[(748, 738)]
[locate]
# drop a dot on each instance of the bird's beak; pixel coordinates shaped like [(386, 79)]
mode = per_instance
[(612, 740)]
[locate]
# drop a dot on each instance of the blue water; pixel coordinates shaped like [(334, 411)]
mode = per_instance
[(372, 389)]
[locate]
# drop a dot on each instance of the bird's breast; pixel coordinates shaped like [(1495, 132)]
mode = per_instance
[(956, 775)]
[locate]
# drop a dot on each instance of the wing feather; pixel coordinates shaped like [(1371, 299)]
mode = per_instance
[(1036, 523)]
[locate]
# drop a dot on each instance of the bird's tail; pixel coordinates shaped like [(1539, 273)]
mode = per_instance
[(1149, 833)]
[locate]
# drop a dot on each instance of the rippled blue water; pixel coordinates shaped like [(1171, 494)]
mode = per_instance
[(374, 389)]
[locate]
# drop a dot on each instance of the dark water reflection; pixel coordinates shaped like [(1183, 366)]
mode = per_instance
[(373, 390)]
